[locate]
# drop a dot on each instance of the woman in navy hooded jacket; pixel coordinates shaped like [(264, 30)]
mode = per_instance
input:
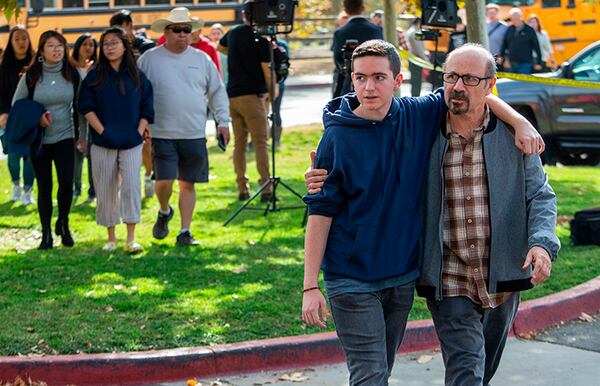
[(116, 99)]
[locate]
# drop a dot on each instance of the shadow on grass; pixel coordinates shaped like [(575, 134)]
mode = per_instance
[(84, 299)]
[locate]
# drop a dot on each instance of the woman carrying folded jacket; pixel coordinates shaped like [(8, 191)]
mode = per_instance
[(116, 99), (53, 81), (17, 56)]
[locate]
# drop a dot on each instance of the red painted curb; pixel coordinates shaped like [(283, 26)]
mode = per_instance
[(270, 354), (566, 305)]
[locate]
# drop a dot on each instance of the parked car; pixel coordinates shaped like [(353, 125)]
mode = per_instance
[(567, 117)]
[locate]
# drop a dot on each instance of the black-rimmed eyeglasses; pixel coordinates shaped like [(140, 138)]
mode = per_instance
[(468, 80)]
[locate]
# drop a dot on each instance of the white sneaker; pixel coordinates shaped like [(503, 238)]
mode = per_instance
[(27, 198), (148, 187), (16, 193)]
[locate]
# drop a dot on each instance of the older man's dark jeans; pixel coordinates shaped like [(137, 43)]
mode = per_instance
[(370, 327), (472, 337)]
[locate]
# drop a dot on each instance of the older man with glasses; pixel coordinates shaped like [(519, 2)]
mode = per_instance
[(487, 212), (184, 81)]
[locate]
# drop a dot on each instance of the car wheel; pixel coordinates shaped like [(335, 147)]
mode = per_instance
[(549, 156), (579, 159)]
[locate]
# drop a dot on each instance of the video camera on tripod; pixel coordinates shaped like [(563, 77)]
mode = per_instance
[(347, 51), (270, 17)]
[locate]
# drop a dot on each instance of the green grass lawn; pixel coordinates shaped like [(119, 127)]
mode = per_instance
[(244, 282)]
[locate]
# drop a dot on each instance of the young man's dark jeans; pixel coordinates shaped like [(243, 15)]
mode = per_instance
[(370, 327)]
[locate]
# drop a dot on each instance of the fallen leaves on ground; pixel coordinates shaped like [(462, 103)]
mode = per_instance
[(586, 317), (422, 359), (294, 377)]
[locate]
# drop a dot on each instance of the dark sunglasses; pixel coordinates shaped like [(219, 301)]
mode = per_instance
[(186, 29)]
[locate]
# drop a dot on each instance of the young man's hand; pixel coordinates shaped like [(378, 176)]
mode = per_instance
[(313, 301), (542, 265), (314, 178), (528, 139)]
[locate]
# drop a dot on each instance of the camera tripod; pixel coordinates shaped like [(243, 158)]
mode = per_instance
[(274, 181)]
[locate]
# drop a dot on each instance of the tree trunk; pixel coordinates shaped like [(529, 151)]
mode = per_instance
[(476, 30)]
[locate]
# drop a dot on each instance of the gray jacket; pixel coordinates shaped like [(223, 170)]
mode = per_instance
[(522, 213)]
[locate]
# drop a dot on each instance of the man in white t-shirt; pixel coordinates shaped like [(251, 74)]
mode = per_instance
[(184, 81)]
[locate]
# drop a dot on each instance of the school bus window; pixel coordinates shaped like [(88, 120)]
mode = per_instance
[(50, 4), (72, 3), (571, 4), (183, 1), (98, 3), (127, 3), (157, 2), (550, 3), (512, 3)]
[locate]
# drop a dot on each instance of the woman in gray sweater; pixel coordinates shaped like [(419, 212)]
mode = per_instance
[(52, 81)]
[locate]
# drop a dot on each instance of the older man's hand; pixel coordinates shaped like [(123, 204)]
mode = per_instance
[(314, 178), (542, 265)]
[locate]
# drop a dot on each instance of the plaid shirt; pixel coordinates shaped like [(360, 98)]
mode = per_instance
[(466, 221)]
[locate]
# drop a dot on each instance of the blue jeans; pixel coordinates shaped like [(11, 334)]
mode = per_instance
[(521, 68), (14, 167), (370, 327)]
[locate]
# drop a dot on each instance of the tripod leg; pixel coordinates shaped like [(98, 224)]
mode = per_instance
[(290, 189), (272, 207), (259, 191)]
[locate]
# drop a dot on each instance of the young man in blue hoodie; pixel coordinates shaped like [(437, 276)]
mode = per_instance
[(364, 224)]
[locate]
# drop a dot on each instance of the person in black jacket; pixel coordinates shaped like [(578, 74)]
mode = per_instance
[(16, 58), (357, 28), (520, 42)]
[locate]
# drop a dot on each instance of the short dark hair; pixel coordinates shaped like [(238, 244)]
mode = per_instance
[(121, 17), (353, 7), (379, 48)]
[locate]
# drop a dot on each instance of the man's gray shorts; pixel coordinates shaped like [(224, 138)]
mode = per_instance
[(180, 159)]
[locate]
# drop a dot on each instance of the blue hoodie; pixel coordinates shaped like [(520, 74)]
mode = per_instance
[(376, 170), (120, 114)]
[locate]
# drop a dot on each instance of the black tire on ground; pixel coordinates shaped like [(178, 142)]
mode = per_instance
[(579, 159)]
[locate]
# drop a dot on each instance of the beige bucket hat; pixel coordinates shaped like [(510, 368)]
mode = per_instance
[(177, 15)]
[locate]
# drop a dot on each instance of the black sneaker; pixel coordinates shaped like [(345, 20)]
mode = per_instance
[(186, 239), (161, 226)]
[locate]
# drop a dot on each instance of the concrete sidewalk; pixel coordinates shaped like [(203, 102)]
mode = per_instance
[(572, 358), (525, 363)]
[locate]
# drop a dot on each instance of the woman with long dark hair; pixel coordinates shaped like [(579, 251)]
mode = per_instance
[(85, 54), (17, 56), (116, 99), (52, 81)]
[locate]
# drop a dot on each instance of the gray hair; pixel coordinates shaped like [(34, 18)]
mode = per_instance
[(490, 62)]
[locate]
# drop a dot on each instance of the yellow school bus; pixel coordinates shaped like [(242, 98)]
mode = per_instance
[(571, 24), (75, 17)]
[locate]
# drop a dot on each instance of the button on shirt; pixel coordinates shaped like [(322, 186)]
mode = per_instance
[(466, 220)]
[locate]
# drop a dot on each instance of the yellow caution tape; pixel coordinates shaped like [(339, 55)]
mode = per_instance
[(407, 56)]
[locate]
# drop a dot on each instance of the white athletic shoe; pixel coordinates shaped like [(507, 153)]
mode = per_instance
[(148, 187), (16, 193), (27, 198)]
